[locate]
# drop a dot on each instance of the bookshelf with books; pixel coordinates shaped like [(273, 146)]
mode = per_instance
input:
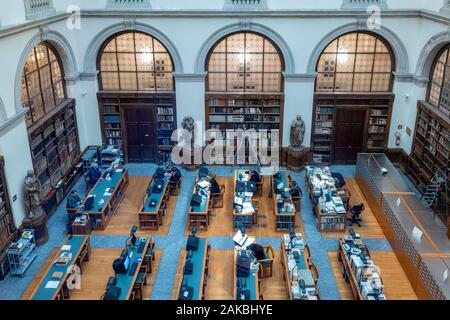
[(378, 109), (431, 153), (55, 152), (246, 112), (7, 226), (157, 116)]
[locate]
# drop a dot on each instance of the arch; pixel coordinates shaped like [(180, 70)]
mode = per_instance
[(90, 59), (399, 49), (429, 53), (64, 50), (239, 27)]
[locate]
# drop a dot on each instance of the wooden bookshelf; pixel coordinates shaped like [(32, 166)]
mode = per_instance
[(431, 151), (246, 112), (7, 226), (159, 108), (55, 152), (378, 108)]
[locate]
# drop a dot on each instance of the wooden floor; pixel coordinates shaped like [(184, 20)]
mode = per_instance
[(95, 274), (221, 223), (220, 278), (369, 225), (396, 283), (127, 215)]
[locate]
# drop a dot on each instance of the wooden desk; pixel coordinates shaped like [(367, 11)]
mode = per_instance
[(199, 277), (247, 220), (252, 281), (126, 281), (102, 215), (348, 271), (287, 275), (80, 228), (81, 250), (199, 215), (151, 217), (326, 221), (283, 219)]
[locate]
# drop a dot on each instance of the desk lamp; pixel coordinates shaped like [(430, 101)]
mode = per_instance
[(302, 286), (193, 231), (242, 229), (292, 236)]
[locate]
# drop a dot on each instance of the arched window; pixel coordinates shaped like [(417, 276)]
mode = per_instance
[(439, 87), (135, 61), (356, 62), (43, 86), (245, 63)]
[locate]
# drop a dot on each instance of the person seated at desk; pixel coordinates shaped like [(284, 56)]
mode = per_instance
[(73, 200), (175, 175), (215, 188), (254, 176), (93, 175), (295, 190)]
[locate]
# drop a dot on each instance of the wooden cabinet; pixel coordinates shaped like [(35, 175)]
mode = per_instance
[(140, 123), (246, 112), (345, 124), (7, 226)]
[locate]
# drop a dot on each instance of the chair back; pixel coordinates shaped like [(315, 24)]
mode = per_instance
[(358, 209), (315, 272)]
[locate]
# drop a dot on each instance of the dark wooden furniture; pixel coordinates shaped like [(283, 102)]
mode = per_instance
[(284, 219), (7, 226), (345, 124), (431, 154), (82, 228), (140, 123), (55, 152), (199, 216), (249, 111)]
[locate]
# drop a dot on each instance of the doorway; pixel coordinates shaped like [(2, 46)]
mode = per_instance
[(349, 134), (141, 144)]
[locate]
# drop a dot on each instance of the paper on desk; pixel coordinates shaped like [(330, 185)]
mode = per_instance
[(107, 194), (52, 284), (66, 247)]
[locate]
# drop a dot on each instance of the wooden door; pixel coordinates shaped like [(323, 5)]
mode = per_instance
[(140, 134), (349, 134)]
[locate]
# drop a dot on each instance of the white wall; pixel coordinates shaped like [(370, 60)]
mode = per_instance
[(15, 149)]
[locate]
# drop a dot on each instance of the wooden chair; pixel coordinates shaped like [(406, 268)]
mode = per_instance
[(217, 198), (259, 187), (141, 281), (308, 254), (266, 269), (315, 273), (175, 187)]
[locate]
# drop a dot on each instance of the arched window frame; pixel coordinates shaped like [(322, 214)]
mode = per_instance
[(353, 72), (120, 87), (55, 76), (224, 41), (438, 95)]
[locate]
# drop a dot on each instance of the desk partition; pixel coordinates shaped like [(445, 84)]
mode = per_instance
[(283, 218), (150, 217)]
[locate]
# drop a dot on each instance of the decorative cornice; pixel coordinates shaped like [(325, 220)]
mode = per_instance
[(12, 122), (190, 77), (299, 77)]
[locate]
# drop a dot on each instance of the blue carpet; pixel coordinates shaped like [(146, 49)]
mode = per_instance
[(13, 287)]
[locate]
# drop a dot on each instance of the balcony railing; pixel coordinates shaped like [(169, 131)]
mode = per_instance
[(363, 4), (128, 4), (245, 4), (35, 9)]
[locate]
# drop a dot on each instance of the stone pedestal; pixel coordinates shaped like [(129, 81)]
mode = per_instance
[(193, 166), (39, 224), (297, 158)]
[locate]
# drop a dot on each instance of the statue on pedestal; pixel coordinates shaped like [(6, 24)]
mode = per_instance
[(297, 133), (33, 202)]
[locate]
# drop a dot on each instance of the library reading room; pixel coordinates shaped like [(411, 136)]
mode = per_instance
[(220, 150)]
